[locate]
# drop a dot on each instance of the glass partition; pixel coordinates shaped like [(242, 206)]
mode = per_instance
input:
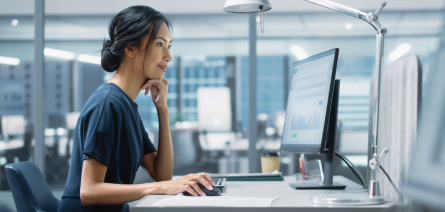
[(16, 88)]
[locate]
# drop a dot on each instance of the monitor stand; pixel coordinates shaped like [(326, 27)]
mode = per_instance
[(330, 139)]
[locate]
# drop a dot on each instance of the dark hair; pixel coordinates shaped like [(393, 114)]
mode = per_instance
[(128, 28)]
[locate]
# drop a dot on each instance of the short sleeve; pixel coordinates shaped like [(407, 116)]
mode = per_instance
[(148, 145), (100, 136)]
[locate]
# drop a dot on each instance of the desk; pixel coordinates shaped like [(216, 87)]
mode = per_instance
[(290, 199), (12, 144)]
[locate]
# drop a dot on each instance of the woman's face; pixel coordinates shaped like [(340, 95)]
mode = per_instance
[(155, 62)]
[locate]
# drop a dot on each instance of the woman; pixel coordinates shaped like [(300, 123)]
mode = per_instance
[(110, 142)]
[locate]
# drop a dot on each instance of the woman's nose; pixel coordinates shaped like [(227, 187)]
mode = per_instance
[(168, 57)]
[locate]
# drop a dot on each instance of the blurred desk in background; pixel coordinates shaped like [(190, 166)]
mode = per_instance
[(228, 141), (11, 144), (234, 159)]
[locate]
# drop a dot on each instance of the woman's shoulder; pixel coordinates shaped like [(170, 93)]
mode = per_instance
[(105, 97)]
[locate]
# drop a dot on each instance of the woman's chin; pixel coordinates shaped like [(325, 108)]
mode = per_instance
[(155, 75)]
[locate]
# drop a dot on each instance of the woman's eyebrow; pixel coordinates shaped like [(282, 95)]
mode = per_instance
[(164, 39)]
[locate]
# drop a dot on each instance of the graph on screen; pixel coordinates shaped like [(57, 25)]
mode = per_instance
[(308, 101), (310, 123)]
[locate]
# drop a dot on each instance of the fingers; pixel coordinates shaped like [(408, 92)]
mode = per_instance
[(190, 190), (161, 84), (205, 182), (147, 90), (156, 82), (195, 187), (208, 178), (151, 83)]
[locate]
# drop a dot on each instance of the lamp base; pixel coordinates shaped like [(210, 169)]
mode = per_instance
[(347, 199), (316, 185)]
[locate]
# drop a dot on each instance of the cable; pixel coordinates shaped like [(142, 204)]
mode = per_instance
[(260, 15), (352, 167), (360, 177), (394, 186), (359, 173)]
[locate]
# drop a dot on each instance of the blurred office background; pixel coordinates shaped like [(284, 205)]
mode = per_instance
[(210, 51)]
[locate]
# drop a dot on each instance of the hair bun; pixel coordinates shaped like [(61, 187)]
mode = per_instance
[(110, 61), (107, 44)]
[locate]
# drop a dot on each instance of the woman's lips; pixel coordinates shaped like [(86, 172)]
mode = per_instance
[(163, 67)]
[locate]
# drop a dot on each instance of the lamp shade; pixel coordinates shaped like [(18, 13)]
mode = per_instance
[(246, 6)]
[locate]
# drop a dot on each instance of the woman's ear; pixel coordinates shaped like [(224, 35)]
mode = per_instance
[(130, 51)]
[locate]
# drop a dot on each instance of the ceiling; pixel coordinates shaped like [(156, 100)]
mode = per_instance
[(234, 26), (109, 7), (205, 29)]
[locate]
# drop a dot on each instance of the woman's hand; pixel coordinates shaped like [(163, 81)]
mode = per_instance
[(188, 183), (158, 89)]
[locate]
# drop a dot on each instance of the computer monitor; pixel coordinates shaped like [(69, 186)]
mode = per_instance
[(309, 104), (311, 113)]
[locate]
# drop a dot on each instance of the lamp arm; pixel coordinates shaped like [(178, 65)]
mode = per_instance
[(340, 8), (372, 19), (382, 5)]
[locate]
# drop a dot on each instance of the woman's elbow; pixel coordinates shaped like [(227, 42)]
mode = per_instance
[(85, 198)]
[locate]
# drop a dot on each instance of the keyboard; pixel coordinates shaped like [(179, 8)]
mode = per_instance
[(219, 182)]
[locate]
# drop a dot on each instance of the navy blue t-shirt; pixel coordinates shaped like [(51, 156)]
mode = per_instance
[(109, 130)]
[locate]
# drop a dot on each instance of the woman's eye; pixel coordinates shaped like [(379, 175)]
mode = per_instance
[(160, 44), (169, 47)]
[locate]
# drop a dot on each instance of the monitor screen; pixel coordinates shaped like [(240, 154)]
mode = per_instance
[(308, 104)]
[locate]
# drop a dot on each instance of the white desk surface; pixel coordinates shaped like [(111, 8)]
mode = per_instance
[(289, 199)]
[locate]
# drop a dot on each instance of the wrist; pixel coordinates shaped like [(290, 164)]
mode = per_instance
[(162, 109), (155, 188)]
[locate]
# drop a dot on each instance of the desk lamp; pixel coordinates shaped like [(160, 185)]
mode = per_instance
[(260, 6)]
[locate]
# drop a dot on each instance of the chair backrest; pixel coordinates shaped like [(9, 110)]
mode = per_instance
[(29, 188), (400, 102)]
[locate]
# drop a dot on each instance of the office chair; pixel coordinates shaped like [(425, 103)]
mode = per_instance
[(400, 102), (29, 188), (200, 154)]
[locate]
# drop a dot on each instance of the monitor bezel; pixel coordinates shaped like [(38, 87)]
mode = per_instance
[(307, 148)]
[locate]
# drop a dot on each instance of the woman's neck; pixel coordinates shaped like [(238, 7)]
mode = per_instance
[(128, 81)]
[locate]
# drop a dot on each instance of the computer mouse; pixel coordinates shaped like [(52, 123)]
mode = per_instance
[(214, 192)]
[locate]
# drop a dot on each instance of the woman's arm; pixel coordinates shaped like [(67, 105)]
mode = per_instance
[(94, 191), (160, 165), (163, 164)]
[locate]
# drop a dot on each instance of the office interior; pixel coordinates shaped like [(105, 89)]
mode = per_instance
[(210, 53)]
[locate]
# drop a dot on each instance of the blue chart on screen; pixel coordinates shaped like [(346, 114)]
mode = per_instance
[(301, 123), (306, 106)]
